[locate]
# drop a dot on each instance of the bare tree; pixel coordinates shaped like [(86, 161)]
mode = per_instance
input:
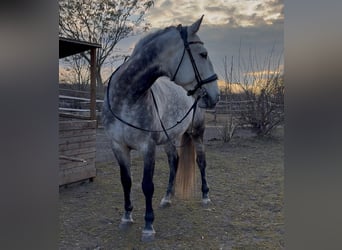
[(263, 89), (102, 21), (231, 121), (77, 71), (258, 96)]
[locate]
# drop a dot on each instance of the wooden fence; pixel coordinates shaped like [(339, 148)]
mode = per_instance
[(77, 149), (78, 107), (77, 137), (77, 104)]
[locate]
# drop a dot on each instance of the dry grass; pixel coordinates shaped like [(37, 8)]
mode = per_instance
[(246, 186)]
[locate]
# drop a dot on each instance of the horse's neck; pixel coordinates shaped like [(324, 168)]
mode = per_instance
[(138, 75)]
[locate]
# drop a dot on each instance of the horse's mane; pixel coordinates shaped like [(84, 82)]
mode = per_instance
[(149, 37)]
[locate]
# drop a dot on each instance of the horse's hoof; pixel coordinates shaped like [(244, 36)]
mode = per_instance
[(125, 224), (206, 201), (148, 234), (165, 203), (126, 220)]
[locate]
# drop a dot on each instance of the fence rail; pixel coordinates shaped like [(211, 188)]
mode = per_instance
[(239, 106), (74, 104), (87, 100)]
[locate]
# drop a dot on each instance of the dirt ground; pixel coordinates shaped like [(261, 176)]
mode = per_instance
[(246, 180)]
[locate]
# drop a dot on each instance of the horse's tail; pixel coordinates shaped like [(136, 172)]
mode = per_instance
[(186, 174)]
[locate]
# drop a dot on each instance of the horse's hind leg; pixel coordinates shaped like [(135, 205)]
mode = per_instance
[(148, 189), (122, 155), (172, 156), (202, 163)]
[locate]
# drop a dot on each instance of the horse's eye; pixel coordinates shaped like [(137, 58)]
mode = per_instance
[(204, 55)]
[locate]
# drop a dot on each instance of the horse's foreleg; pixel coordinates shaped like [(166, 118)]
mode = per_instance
[(148, 189), (202, 163), (172, 156), (122, 155)]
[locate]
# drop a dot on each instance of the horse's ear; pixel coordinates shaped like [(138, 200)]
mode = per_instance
[(195, 26)]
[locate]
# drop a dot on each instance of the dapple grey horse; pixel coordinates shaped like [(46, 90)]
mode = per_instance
[(151, 100)]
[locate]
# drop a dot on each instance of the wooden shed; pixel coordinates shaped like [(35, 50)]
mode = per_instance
[(77, 135)]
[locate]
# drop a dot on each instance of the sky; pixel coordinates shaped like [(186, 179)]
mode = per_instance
[(230, 28)]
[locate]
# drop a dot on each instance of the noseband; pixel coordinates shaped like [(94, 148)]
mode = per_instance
[(184, 34)]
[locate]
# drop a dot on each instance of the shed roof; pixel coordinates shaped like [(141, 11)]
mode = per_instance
[(68, 47)]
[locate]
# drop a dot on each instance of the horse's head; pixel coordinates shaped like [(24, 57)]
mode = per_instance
[(192, 67)]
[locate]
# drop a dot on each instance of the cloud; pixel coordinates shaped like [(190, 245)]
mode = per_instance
[(273, 9), (232, 42), (229, 27), (166, 13), (166, 4), (241, 13)]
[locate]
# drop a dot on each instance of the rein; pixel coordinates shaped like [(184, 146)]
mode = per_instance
[(193, 107)]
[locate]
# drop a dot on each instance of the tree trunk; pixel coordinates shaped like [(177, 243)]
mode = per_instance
[(99, 82)]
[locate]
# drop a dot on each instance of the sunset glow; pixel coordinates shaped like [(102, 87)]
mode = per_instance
[(230, 29)]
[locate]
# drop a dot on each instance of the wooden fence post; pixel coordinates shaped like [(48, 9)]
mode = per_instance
[(93, 84)]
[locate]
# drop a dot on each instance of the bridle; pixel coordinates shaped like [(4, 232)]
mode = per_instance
[(184, 35)]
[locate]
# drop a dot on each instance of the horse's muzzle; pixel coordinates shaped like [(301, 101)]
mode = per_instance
[(207, 101)]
